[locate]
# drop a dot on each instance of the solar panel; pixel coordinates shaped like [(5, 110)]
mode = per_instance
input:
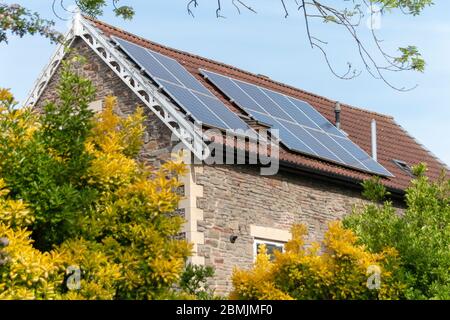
[(197, 109), (301, 127), (184, 88), (316, 117)]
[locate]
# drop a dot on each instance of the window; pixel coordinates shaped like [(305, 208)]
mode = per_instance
[(271, 247), (404, 166), (181, 191)]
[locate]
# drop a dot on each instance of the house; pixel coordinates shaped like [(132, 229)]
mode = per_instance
[(231, 208)]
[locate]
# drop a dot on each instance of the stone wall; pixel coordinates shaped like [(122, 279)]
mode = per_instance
[(235, 198)]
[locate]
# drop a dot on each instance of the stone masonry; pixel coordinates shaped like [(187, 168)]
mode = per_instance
[(236, 199)]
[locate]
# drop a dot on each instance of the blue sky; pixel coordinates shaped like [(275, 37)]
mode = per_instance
[(267, 43)]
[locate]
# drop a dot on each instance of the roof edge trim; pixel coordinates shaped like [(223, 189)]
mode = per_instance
[(48, 71), (340, 179)]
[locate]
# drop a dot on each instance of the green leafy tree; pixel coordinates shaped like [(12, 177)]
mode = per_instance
[(421, 235), (43, 162), (194, 281), (74, 198), (20, 21)]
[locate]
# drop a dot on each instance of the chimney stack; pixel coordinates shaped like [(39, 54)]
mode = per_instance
[(337, 112)]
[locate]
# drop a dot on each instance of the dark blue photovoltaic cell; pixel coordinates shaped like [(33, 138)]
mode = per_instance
[(292, 142), (292, 110), (147, 61), (198, 110), (362, 156), (376, 167), (181, 73), (310, 141), (263, 100), (216, 106), (232, 90), (281, 132), (264, 118), (338, 150), (316, 117), (301, 127)]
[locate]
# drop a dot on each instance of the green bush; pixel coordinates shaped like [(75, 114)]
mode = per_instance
[(421, 235)]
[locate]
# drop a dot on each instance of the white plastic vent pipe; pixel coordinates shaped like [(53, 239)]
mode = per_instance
[(374, 140)]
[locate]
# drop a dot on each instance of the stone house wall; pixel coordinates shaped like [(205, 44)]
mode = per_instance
[(238, 201)]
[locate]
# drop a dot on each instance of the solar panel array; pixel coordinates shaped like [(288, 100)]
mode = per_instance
[(182, 87), (301, 128)]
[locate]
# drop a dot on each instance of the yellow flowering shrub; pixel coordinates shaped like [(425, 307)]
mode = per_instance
[(98, 272), (113, 143), (6, 95), (136, 227), (25, 272), (122, 244), (13, 212), (17, 126), (132, 216), (28, 273), (338, 268)]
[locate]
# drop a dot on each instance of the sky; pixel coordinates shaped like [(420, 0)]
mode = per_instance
[(269, 44)]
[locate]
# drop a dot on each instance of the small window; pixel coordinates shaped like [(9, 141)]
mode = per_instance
[(181, 191), (271, 247), (404, 166)]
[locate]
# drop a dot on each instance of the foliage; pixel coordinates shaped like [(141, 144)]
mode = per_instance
[(354, 18), (414, 7), (95, 8), (194, 281), (341, 271), (411, 56), (374, 190), (26, 273), (73, 197), (20, 21), (421, 235), (43, 159), (132, 216)]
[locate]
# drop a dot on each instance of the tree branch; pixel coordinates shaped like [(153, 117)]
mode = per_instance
[(350, 18)]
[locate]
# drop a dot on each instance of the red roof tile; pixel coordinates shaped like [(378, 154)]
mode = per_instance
[(393, 141)]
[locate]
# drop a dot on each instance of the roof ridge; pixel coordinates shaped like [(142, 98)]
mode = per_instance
[(222, 64)]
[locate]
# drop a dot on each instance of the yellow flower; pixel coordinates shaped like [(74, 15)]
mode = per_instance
[(339, 271), (6, 95)]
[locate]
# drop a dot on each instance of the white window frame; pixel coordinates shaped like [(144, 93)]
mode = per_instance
[(257, 241)]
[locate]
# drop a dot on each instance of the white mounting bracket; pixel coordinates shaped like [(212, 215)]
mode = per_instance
[(190, 134)]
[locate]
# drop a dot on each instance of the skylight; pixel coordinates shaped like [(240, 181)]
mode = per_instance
[(404, 166)]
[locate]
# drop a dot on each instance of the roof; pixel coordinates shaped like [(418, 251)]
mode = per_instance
[(394, 142)]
